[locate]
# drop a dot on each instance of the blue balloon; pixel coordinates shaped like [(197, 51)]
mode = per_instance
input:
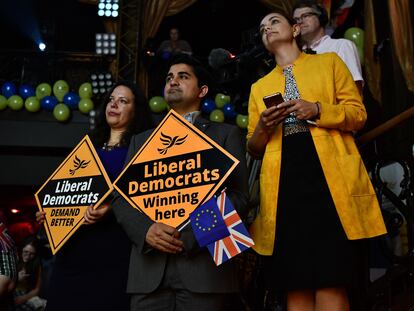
[(208, 105), (8, 89), (26, 91), (229, 111), (166, 55), (48, 102), (71, 99)]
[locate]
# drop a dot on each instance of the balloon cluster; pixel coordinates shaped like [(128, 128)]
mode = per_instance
[(57, 98), (218, 109), (356, 35)]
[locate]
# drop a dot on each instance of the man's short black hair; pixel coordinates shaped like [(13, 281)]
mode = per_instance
[(318, 8), (200, 71)]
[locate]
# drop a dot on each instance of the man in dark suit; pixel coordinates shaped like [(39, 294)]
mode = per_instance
[(168, 270)]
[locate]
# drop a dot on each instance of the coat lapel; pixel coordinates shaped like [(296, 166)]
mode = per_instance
[(202, 124)]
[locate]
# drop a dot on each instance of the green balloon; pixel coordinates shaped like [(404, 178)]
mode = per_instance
[(3, 102), (217, 115), (60, 88), (32, 104), (361, 55), (221, 99), (15, 102), (356, 35), (85, 105), (242, 121), (157, 104), (42, 90), (61, 112), (85, 90)]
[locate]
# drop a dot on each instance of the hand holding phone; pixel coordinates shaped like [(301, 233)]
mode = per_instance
[(273, 100)]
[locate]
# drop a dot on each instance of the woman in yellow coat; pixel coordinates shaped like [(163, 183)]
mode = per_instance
[(315, 194)]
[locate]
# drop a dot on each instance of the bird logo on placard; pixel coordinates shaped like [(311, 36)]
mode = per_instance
[(78, 165), (169, 141)]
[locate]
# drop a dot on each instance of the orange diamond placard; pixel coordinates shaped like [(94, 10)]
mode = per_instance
[(78, 182), (174, 172)]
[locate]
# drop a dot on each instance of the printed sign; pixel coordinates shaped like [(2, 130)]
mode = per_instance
[(80, 181), (176, 170)]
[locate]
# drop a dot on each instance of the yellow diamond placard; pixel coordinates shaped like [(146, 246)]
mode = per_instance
[(175, 171), (79, 181)]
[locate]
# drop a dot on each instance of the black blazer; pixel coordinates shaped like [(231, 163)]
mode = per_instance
[(196, 266)]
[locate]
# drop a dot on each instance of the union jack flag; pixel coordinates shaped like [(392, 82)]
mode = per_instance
[(239, 239)]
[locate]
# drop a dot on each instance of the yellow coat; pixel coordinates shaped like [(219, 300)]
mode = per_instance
[(326, 79)]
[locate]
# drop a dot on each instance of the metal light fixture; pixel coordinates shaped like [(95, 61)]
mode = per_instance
[(101, 82), (108, 8), (105, 43)]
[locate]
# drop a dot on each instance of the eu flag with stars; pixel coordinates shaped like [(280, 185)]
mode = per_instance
[(208, 224), (239, 239)]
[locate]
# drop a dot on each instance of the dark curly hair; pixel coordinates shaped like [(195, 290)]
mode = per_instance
[(32, 267), (140, 122)]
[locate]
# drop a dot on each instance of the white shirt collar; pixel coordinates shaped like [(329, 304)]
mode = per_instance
[(315, 44), (192, 116)]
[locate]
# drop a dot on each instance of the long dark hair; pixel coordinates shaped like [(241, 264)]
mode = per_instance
[(286, 13), (32, 267), (140, 122)]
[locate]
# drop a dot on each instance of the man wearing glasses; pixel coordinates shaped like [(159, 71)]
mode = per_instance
[(313, 19)]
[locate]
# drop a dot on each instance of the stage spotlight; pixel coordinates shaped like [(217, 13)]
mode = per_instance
[(42, 46), (105, 43), (108, 8), (92, 121), (101, 82)]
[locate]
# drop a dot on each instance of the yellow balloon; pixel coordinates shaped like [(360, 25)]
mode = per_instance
[(32, 104), (361, 55), (15, 102), (157, 104), (217, 115), (242, 121), (60, 88), (85, 90), (61, 112), (3, 102), (85, 105), (222, 99), (42, 90)]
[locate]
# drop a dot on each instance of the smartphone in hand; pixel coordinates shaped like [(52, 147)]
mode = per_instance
[(273, 100)]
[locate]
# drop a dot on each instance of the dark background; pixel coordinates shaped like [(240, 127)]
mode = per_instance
[(33, 145), (71, 26)]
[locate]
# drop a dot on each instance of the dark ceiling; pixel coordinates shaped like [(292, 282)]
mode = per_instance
[(67, 24), (209, 24), (71, 25)]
